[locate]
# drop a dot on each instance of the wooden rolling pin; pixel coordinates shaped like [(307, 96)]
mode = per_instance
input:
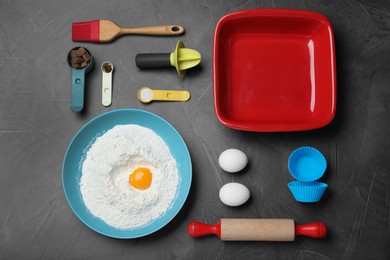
[(257, 229)]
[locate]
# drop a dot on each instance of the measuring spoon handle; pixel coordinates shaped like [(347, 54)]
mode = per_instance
[(77, 98), (171, 95)]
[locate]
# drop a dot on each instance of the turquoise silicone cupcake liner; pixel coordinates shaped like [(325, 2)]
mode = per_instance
[(306, 164), (307, 191)]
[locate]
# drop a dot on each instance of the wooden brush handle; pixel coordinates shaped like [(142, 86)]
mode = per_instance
[(154, 30)]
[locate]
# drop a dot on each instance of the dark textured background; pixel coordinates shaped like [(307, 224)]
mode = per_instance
[(36, 126)]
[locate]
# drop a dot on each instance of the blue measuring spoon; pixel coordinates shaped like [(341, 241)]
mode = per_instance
[(78, 82)]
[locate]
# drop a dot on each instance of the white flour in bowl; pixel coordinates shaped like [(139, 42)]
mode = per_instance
[(105, 184)]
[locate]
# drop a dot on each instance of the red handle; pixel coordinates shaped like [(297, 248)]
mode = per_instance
[(198, 229), (314, 230)]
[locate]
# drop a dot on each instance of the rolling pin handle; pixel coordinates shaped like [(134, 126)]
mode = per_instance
[(198, 229), (314, 230)]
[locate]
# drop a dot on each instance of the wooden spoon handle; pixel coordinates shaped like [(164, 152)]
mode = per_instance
[(154, 30)]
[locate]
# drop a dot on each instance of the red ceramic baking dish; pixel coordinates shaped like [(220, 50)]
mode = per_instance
[(274, 70)]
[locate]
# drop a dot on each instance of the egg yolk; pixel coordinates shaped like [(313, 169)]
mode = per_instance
[(141, 178)]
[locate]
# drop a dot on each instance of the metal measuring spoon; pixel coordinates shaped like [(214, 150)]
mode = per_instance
[(107, 69)]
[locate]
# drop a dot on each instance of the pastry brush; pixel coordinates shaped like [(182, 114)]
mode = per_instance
[(107, 31)]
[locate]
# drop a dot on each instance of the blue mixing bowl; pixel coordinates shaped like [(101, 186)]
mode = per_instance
[(71, 169)]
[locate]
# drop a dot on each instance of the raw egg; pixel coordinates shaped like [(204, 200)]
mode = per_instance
[(141, 178)]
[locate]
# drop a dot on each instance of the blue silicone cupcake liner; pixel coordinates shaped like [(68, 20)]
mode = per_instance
[(306, 164), (307, 191)]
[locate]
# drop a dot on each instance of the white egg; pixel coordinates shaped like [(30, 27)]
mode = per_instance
[(234, 194), (232, 160)]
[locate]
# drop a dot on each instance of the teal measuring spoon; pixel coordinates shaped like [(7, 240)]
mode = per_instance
[(78, 82)]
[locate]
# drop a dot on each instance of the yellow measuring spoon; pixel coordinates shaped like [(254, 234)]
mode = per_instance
[(146, 95)]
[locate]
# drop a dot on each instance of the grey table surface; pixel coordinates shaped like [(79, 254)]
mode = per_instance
[(36, 126)]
